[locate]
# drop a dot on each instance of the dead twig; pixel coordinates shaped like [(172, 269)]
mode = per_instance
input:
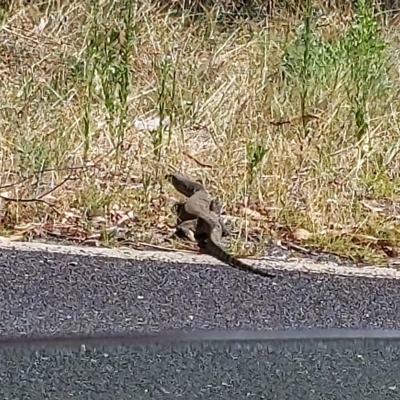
[(39, 199)]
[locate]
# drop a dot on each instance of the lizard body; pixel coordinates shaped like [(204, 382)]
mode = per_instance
[(187, 187), (208, 230)]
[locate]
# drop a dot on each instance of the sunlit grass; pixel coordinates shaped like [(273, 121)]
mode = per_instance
[(292, 124)]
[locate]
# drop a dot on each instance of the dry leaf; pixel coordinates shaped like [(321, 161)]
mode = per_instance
[(49, 197), (251, 213), (99, 222), (358, 238), (301, 234), (372, 206)]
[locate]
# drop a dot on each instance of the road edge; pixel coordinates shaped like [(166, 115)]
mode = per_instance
[(295, 265)]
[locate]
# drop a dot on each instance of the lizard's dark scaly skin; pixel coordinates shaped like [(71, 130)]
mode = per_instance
[(187, 187), (184, 185), (208, 232)]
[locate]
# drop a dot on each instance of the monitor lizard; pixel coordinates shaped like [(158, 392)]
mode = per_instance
[(187, 187), (208, 230)]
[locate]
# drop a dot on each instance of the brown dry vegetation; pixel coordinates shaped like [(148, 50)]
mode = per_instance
[(299, 139)]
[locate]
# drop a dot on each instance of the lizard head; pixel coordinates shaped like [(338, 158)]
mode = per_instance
[(183, 184)]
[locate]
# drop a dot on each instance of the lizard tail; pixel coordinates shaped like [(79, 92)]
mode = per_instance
[(223, 256)]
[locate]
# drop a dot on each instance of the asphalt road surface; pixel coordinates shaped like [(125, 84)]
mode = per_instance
[(47, 293)]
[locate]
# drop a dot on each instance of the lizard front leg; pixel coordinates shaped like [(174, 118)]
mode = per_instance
[(188, 229), (186, 226), (179, 209)]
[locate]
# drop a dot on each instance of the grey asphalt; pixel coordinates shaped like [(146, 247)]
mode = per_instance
[(45, 293)]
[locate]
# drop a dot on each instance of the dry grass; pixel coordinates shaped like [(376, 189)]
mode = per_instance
[(299, 140)]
